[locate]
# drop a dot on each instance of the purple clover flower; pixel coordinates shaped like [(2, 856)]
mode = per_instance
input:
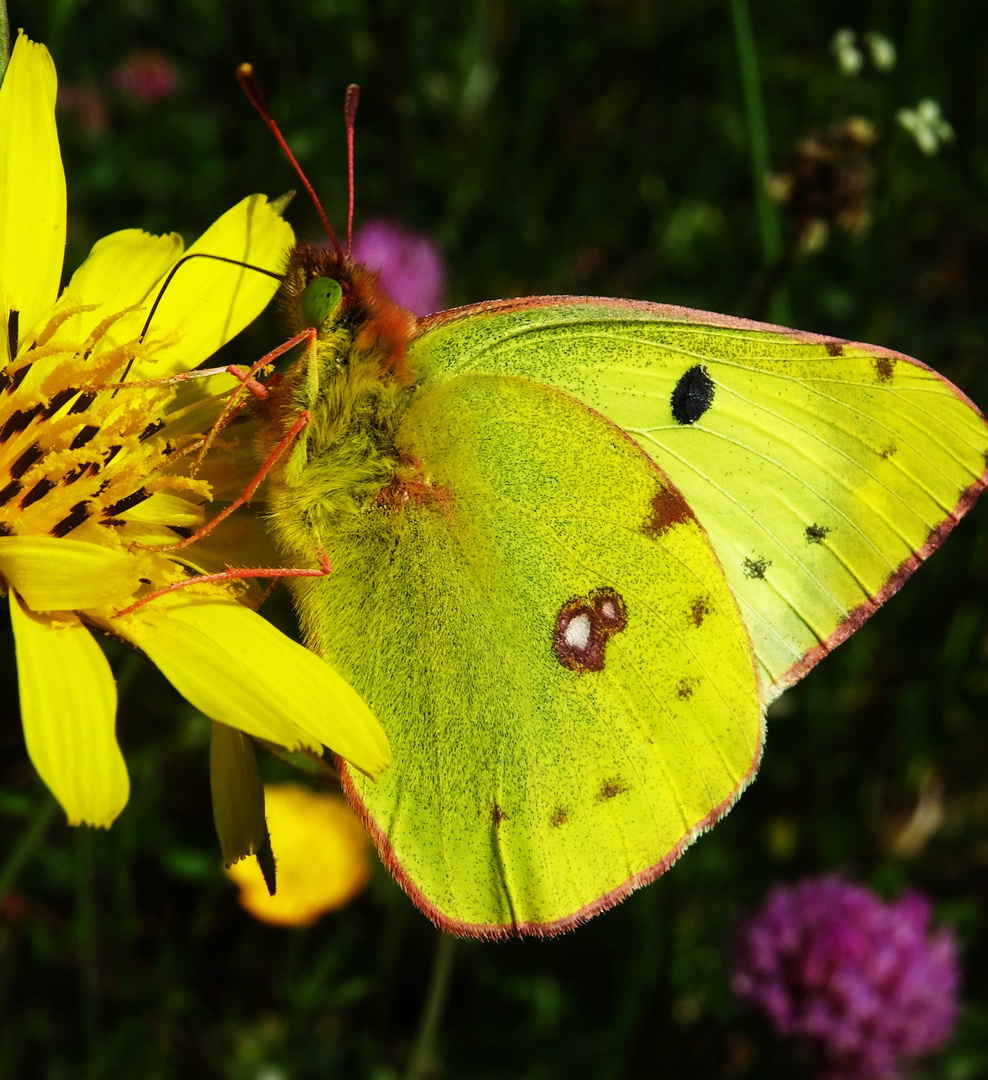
[(411, 268), (863, 981)]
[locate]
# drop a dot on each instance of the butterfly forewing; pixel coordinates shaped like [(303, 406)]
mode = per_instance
[(823, 471)]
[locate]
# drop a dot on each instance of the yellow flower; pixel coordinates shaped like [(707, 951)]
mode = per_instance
[(90, 469), (322, 855)]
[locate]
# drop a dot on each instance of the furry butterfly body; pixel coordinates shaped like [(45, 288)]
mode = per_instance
[(578, 545)]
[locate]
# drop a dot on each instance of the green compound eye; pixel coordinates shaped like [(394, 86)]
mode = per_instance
[(320, 299)]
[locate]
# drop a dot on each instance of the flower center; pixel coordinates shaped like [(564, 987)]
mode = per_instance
[(78, 455)]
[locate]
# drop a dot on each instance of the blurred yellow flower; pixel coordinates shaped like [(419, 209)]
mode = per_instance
[(321, 852), (90, 469)]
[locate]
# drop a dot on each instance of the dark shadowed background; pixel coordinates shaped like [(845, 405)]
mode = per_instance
[(579, 146)]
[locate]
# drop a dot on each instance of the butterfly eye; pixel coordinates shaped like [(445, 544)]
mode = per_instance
[(320, 298)]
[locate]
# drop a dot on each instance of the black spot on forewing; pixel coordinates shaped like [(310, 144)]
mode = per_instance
[(559, 817), (693, 395), (816, 534), (884, 368), (584, 625), (685, 689), (755, 568)]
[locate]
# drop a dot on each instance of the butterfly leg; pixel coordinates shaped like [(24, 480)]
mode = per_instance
[(249, 383), (245, 496), (234, 574)]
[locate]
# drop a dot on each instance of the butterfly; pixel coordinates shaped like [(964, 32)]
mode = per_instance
[(578, 546)]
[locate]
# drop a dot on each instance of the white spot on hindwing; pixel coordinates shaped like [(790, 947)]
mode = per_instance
[(577, 632)]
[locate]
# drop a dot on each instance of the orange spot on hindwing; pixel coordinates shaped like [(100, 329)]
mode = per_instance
[(584, 625), (668, 508)]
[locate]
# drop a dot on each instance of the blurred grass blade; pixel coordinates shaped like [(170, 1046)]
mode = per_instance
[(420, 1062), (757, 126), (27, 844)]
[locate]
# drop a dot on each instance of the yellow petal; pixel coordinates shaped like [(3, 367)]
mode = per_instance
[(120, 271), (32, 185), (238, 795), (67, 575), (165, 509), (237, 668), (207, 302), (68, 708), (322, 854)]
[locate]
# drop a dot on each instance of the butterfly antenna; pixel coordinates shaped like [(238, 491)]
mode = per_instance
[(251, 86), (350, 103)]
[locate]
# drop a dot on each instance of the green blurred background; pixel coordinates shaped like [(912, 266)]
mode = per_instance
[(581, 146)]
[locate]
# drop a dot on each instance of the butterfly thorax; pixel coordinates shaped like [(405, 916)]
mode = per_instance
[(356, 383)]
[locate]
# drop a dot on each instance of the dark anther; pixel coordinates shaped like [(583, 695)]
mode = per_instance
[(83, 436), (13, 332), (152, 428), (39, 491), (18, 421), (9, 492), (26, 460), (86, 398), (19, 376), (135, 498), (58, 401), (75, 517)]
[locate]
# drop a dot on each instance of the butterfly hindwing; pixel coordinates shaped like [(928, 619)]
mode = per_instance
[(547, 637)]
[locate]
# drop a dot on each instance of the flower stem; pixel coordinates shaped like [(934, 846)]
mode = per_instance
[(88, 968), (420, 1060), (754, 109), (29, 840)]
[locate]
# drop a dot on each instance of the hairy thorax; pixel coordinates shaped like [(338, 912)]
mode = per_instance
[(355, 382)]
